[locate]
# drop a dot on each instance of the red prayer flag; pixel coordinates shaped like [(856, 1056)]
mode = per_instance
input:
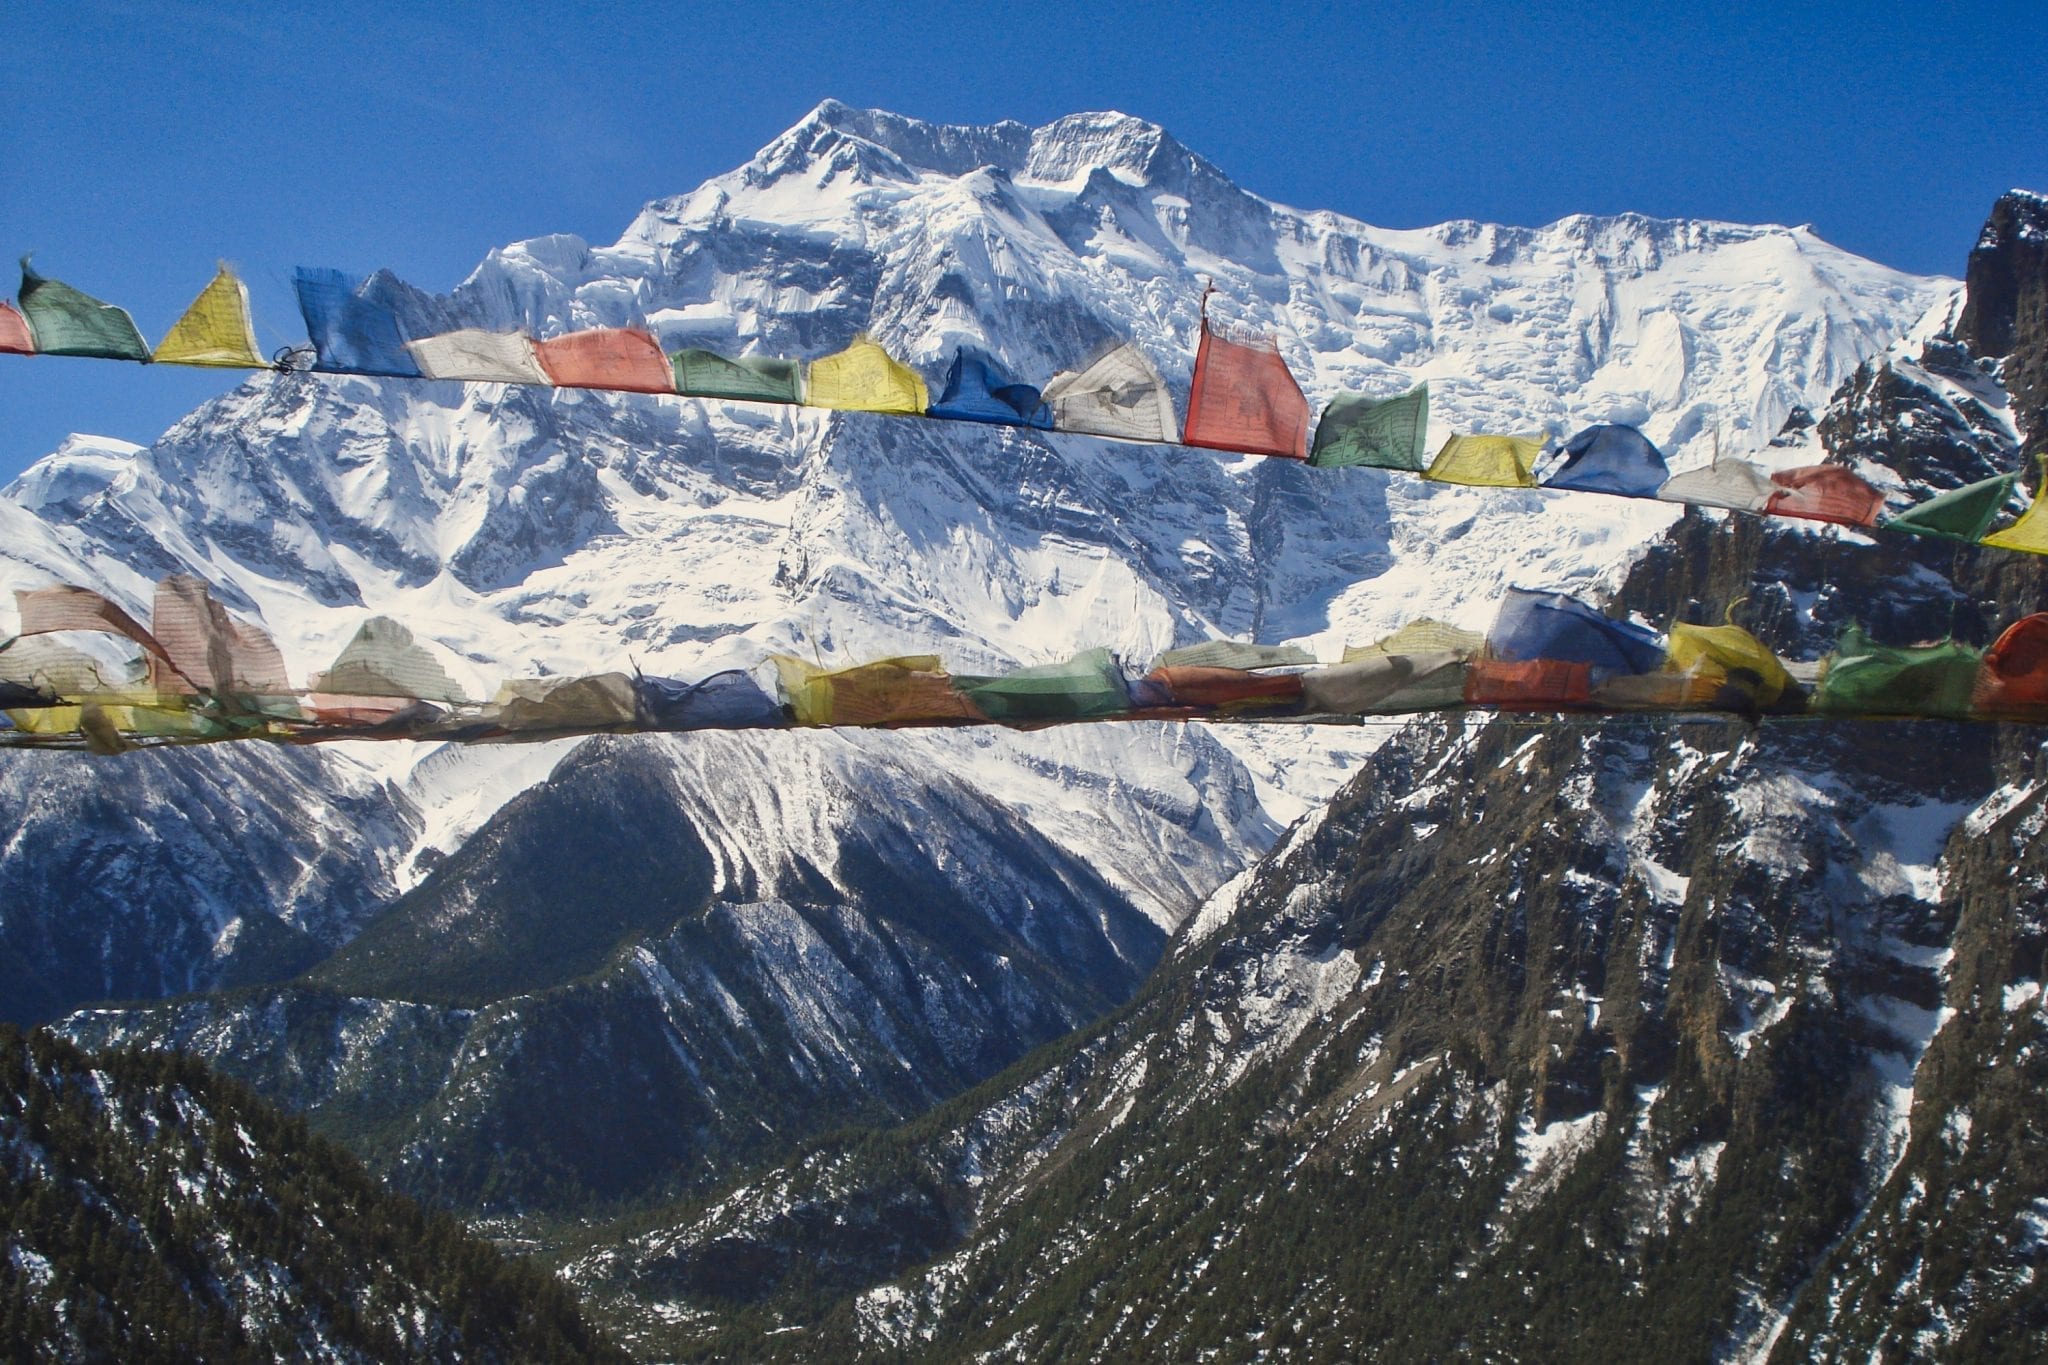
[(607, 358), (2013, 684), (1528, 684), (15, 337), (1824, 492), (1228, 687), (1244, 399), (46, 611)]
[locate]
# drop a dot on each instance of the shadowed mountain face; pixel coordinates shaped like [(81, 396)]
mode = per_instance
[(608, 993), (1539, 1042)]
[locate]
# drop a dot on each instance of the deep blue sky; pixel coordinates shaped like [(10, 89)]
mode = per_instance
[(147, 138)]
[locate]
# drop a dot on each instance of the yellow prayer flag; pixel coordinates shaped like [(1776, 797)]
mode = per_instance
[(1723, 653), (215, 329), (864, 378), (2030, 532), (1488, 461)]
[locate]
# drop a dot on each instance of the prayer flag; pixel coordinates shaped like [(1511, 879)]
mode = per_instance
[(479, 357), (864, 378), (625, 358), (15, 337), (750, 378), (1551, 625), (2030, 532), (1964, 513), (1735, 484), (1611, 459), (976, 391), (1384, 433), (1117, 394), (215, 330), (1865, 678), (1487, 461), (1245, 399), (67, 322), (354, 323), (1824, 492)]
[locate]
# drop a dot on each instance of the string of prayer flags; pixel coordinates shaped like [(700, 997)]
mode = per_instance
[(1117, 394), (67, 322), (1242, 399), (211, 676), (216, 330), (865, 378), (1245, 399), (1381, 433)]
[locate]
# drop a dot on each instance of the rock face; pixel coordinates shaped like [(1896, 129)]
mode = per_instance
[(186, 872), (2006, 313), (649, 970), (153, 1211), (1535, 1044)]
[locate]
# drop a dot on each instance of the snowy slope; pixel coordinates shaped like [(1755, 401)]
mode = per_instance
[(529, 530)]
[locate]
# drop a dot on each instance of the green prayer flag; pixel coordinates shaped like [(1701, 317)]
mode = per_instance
[(67, 322), (1385, 433), (1089, 684), (1868, 679), (1964, 513), (751, 378)]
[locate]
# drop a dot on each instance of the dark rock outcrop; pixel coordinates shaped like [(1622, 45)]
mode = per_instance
[(2007, 312)]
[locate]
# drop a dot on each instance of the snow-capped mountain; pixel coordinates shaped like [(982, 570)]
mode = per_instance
[(528, 530), (554, 531)]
